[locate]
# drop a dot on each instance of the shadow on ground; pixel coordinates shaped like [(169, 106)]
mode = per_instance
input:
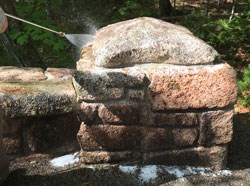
[(28, 174), (239, 148)]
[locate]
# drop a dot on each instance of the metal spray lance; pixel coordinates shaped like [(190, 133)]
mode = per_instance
[(79, 40), (62, 34)]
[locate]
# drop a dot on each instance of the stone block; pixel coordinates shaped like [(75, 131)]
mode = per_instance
[(216, 127), (136, 95), (185, 137), (214, 157), (174, 119), (89, 113), (109, 137), (37, 98), (95, 157), (184, 87), (103, 84), (126, 113), (15, 74), (148, 40), (154, 139), (59, 73)]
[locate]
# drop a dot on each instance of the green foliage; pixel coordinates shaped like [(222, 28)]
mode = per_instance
[(50, 48), (244, 87), (228, 34), (137, 8), (35, 11), (225, 35)]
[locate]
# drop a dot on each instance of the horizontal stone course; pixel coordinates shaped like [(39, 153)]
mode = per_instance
[(28, 92), (214, 157), (37, 99), (169, 87), (59, 73), (108, 137), (125, 113), (102, 84), (184, 87), (96, 157), (174, 119), (15, 74)]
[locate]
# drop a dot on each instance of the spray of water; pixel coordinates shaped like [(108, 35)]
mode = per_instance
[(79, 40)]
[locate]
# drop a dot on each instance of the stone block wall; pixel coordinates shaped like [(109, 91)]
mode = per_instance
[(152, 97), (154, 118), (38, 110), (145, 91)]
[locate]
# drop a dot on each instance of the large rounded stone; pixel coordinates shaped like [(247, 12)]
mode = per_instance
[(149, 40)]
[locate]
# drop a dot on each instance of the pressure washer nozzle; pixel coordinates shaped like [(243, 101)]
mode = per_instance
[(62, 34)]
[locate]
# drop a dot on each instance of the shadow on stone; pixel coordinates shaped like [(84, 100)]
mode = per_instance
[(239, 148), (79, 177)]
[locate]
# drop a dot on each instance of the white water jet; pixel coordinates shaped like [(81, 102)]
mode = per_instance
[(79, 40)]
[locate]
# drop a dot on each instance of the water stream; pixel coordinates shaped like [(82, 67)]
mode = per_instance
[(79, 40)]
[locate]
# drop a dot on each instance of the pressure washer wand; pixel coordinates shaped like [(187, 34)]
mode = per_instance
[(62, 34)]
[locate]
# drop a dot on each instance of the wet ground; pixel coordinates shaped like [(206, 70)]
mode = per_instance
[(36, 171)]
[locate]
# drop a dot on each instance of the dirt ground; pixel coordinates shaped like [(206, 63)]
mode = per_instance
[(36, 171)]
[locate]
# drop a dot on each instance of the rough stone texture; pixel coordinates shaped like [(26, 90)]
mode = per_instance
[(36, 97), (11, 127), (59, 73), (174, 119), (126, 113), (12, 135), (12, 145), (96, 157), (154, 139), (103, 84), (55, 133), (89, 113), (148, 40), (108, 137), (29, 97), (214, 157), (14, 74), (136, 95), (50, 134), (4, 162), (184, 137), (120, 112), (181, 87), (216, 127)]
